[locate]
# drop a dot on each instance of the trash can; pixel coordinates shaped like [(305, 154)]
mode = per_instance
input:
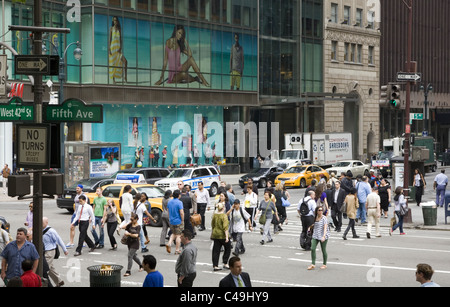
[(105, 276), (429, 211)]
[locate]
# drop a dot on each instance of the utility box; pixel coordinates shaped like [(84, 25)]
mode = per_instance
[(19, 185), (90, 159), (52, 184)]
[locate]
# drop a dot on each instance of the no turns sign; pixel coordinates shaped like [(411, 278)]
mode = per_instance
[(33, 146)]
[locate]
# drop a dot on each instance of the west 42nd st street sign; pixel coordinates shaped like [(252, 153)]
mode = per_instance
[(73, 110), (15, 110)]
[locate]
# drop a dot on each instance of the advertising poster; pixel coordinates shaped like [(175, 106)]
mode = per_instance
[(104, 161)]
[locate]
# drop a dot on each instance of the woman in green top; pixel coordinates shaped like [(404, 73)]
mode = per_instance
[(220, 237)]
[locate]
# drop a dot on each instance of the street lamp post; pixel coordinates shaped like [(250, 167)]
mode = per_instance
[(77, 53), (426, 90)]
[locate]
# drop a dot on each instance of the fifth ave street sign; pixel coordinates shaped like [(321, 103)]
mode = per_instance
[(409, 76), (73, 110)]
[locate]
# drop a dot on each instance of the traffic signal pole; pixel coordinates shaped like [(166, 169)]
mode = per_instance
[(37, 31), (407, 145)]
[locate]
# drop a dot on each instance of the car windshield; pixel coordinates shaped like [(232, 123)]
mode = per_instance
[(295, 170), (289, 154), (152, 192), (385, 155), (260, 171), (87, 184), (180, 173), (342, 164)]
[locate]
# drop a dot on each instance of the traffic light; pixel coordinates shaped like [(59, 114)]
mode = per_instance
[(394, 96), (384, 94)]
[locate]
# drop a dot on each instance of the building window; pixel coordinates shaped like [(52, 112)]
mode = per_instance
[(359, 14), (371, 20), (334, 50), (371, 61), (353, 54), (334, 13), (346, 52), (359, 54), (346, 15), (193, 8)]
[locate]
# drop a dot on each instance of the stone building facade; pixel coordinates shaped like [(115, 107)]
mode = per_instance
[(351, 72)]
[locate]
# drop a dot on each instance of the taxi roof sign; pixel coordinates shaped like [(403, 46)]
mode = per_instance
[(129, 178)]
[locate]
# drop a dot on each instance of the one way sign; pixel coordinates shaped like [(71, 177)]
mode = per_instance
[(409, 76)]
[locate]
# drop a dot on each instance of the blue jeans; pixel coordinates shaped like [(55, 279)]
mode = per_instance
[(361, 212), (142, 237), (440, 193), (98, 224), (400, 222)]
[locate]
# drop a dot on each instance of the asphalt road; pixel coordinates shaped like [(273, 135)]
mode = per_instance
[(388, 261)]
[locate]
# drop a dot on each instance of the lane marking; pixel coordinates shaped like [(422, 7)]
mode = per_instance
[(402, 248), (366, 265)]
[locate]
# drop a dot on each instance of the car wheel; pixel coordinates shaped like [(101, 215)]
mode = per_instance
[(303, 183), (213, 190), (262, 183), (157, 215)]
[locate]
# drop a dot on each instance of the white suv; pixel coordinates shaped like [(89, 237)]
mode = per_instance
[(192, 176)]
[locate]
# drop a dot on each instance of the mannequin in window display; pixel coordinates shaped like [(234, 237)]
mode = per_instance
[(151, 157), (156, 161), (164, 155), (136, 157)]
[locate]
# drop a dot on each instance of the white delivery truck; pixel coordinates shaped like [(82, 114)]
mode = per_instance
[(323, 149)]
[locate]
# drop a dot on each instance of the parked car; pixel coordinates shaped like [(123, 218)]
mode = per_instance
[(301, 175), (192, 176), (115, 191), (261, 176), (151, 174), (66, 200), (355, 166)]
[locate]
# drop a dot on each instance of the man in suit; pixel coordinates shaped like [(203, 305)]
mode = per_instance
[(335, 199), (236, 278)]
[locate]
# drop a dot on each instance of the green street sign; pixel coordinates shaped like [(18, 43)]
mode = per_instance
[(73, 110), (416, 116), (16, 111)]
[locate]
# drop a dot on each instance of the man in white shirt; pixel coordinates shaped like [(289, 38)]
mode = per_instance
[(373, 212), (84, 216), (79, 192), (440, 184), (202, 197)]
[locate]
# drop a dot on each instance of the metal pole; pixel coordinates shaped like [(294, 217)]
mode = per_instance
[(38, 91), (407, 113), (425, 128)]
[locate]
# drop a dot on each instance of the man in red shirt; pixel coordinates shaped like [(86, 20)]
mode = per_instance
[(29, 278)]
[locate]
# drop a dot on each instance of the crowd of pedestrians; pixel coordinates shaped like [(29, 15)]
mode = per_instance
[(325, 204)]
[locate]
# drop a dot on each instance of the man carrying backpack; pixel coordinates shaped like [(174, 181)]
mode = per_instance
[(306, 208), (238, 219)]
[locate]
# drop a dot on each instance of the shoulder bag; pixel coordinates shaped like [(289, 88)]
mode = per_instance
[(262, 218)]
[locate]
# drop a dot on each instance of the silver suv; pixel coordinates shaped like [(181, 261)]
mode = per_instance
[(192, 176)]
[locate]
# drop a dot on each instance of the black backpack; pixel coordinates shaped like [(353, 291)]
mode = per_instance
[(304, 208)]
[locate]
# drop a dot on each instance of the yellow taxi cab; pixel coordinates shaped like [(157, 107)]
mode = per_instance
[(155, 196), (301, 175)]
